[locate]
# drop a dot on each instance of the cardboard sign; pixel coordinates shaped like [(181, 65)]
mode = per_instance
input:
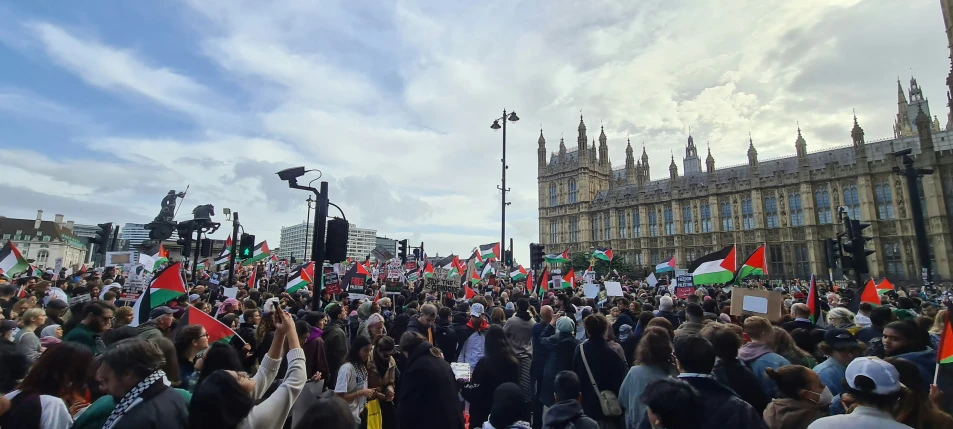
[(80, 298), (592, 290), (682, 292), (332, 283), (133, 287), (441, 283), (758, 302), (393, 288), (614, 289), (119, 258), (58, 266), (410, 266)]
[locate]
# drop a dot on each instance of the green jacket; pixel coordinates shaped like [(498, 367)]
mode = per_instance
[(94, 417), (82, 335)]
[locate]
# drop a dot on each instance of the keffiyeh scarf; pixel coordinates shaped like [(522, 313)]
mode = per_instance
[(132, 398)]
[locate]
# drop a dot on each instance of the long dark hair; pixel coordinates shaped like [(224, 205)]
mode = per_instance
[(61, 371), (219, 403), (497, 346), (354, 354), (330, 413), (219, 356)]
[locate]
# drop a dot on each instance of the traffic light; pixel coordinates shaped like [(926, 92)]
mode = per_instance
[(402, 250), (508, 258), (246, 246), (206, 248), (102, 237), (336, 241), (831, 248), (416, 254), (856, 246), (536, 255)]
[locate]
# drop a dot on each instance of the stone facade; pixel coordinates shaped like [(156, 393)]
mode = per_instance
[(789, 203)]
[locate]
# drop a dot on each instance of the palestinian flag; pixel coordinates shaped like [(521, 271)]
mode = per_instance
[(300, 277), (162, 257), (253, 279), (487, 271), (11, 261), (814, 301), (468, 292), (490, 251), (474, 276), (557, 259), (529, 282), (226, 252), (217, 331), (518, 274), (411, 275), (668, 265), (714, 268), (884, 287), (944, 353), (166, 285), (868, 294), (568, 280), (753, 266), (428, 270), (261, 253), (362, 270), (602, 253), (543, 286)]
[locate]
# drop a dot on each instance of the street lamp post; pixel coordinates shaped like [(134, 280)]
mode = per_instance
[(503, 189)]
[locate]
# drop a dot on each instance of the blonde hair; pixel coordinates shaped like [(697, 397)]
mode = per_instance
[(840, 313), (938, 322), (30, 314), (757, 327)]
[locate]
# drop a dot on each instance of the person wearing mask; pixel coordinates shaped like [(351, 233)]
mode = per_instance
[(446, 337), (695, 318), (498, 365), (27, 338), (50, 335), (874, 386), (316, 361), (653, 360), (131, 371), (335, 342), (427, 383), (916, 409), (423, 323), (508, 408), (600, 367), (759, 353), (159, 324), (53, 391), (519, 331), (842, 318), (905, 339), (559, 344), (666, 401), (567, 411), (97, 318), (804, 398), (381, 377), (471, 338), (540, 356), (720, 406), (227, 399), (189, 341), (666, 308)]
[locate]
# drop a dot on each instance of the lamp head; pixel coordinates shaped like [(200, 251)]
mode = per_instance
[(496, 125), (513, 117)]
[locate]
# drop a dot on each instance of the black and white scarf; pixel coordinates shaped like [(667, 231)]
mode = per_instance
[(132, 398)]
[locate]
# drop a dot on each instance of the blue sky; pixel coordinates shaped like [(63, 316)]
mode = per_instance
[(105, 106)]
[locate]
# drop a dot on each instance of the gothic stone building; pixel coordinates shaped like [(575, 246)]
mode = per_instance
[(789, 203)]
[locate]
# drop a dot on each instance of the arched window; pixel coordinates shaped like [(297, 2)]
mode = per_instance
[(572, 191), (727, 223), (884, 199), (608, 228), (553, 227), (669, 221), (594, 223), (823, 200), (852, 201), (42, 257), (552, 195), (706, 218), (747, 214), (771, 212), (574, 229), (892, 258), (636, 226), (794, 204), (687, 222), (653, 223), (623, 224)]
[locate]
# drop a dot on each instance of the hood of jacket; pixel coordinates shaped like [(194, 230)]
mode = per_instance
[(563, 411), (421, 350), (364, 311), (786, 412), (752, 351)]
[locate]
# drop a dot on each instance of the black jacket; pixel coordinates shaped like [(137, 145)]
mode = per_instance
[(14, 363), (671, 317), (415, 327), (559, 348), (539, 354), (722, 407), (607, 368), (446, 339), (427, 394), (568, 414), (247, 332), (625, 318), (162, 407), (738, 377), (488, 374)]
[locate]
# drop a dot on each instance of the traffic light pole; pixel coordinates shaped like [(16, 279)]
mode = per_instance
[(317, 243), (858, 282), (195, 258), (233, 251), (919, 225)]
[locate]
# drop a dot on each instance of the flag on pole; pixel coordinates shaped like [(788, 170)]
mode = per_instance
[(543, 282), (753, 266), (490, 251), (518, 274), (884, 286), (217, 331), (300, 277), (253, 279), (468, 292), (11, 261), (428, 270), (569, 280), (814, 301), (557, 258), (944, 353), (261, 252), (668, 265), (487, 271), (714, 268), (602, 253), (868, 294), (166, 285), (226, 252)]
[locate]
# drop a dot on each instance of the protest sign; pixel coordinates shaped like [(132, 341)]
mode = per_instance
[(332, 283), (754, 301), (592, 290), (132, 288), (682, 292), (440, 282), (119, 258), (393, 287), (230, 292), (614, 289), (80, 298), (58, 266)]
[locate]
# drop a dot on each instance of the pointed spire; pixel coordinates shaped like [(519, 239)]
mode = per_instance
[(582, 124), (645, 155), (752, 152), (542, 140), (800, 145), (857, 133), (750, 141), (901, 97)]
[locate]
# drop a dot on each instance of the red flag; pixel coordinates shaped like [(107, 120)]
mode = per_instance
[(252, 279), (814, 301), (469, 292), (944, 353), (362, 270), (217, 331)]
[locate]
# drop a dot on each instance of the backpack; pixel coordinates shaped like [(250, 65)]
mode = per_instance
[(25, 412)]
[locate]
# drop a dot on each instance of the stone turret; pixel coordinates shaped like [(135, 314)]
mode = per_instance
[(630, 171), (645, 164), (603, 148), (710, 162), (541, 151), (673, 169), (752, 153), (581, 141)]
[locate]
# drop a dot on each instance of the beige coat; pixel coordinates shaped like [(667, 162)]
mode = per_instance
[(787, 413)]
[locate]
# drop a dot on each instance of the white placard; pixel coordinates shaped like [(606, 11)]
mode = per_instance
[(58, 266), (592, 290), (230, 292), (614, 289), (119, 258), (755, 304)]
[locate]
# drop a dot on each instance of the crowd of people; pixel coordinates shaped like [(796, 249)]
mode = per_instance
[(505, 358)]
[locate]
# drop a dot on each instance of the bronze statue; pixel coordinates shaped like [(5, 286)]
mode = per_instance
[(167, 213), (205, 211)]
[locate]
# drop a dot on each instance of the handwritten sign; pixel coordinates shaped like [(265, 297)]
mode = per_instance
[(332, 283), (442, 282)]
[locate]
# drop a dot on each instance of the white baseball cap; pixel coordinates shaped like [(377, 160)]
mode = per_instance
[(886, 378), (476, 310)]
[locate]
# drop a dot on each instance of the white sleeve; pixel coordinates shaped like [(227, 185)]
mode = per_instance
[(55, 415), (265, 375), (343, 375), (272, 412)]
